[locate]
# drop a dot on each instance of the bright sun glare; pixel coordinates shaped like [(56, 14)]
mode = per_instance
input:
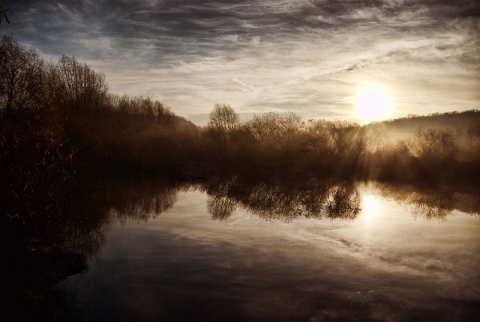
[(373, 103), (370, 206)]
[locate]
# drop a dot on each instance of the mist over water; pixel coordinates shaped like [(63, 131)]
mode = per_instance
[(232, 250)]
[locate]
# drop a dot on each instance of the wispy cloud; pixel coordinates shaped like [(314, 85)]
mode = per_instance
[(306, 56)]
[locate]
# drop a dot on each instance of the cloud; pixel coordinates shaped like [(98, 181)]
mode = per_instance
[(306, 56)]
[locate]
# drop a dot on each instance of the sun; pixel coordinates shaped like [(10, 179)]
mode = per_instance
[(373, 103)]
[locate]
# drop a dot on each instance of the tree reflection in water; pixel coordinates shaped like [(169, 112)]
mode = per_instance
[(219, 204), (283, 200), (33, 265), (328, 199), (344, 203), (434, 203), (63, 248), (280, 200), (192, 277)]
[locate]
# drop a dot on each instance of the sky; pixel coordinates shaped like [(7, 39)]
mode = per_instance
[(311, 57)]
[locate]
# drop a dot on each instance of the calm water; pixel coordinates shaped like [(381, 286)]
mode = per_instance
[(271, 252)]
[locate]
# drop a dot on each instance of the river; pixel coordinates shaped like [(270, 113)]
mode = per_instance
[(312, 251)]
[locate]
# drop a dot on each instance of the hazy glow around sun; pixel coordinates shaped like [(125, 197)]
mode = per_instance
[(373, 103)]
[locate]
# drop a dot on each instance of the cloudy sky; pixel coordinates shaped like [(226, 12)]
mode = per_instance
[(306, 56)]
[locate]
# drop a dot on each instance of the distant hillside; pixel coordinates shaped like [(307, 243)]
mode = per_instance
[(461, 123), (177, 122)]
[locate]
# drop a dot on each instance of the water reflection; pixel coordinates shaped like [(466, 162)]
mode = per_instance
[(269, 264), (36, 264), (343, 203), (315, 198), (280, 200), (81, 234), (286, 200), (115, 200), (434, 203)]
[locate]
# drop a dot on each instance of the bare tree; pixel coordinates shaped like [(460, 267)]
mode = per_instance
[(434, 144), (81, 87), (274, 131), (22, 76), (223, 118)]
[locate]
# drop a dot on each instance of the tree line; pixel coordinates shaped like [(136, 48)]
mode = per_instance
[(58, 118)]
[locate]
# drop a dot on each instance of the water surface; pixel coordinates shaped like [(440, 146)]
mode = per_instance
[(268, 252)]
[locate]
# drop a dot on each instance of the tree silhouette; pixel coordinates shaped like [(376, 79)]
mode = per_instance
[(224, 118)]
